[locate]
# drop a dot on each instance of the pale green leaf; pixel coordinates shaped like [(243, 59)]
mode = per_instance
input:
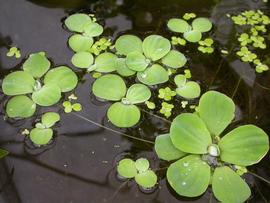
[(79, 43), (189, 90), (76, 22), (178, 25), (49, 119), (147, 179), (138, 93), (202, 24), (193, 36), (105, 63), (41, 136), (128, 43), (122, 68), (82, 59), (92, 29), (174, 59), (142, 164), (180, 80), (136, 61), (48, 95), (126, 168)]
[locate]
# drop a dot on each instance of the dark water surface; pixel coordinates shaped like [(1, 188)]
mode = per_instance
[(78, 167)]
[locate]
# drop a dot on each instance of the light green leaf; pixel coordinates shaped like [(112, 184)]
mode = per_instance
[(48, 95), (155, 47), (189, 176), (128, 43), (193, 36), (20, 107), (190, 90), (178, 25), (126, 168), (202, 24), (76, 22), (229, 187), (165, 148), (41, 136), (147, 179), (189, 134), (216, 110), (138, 93), (79, 43), (122, 68), (82, 59), (180, 80), (105, 63), (136, 61), (18, 82), (3, 153), (174, 59), (110, 87), (37, 65), (63, 77), (92, 29), (49, 119), (244, 146), (123, 116), (154, 75), (142, 164)]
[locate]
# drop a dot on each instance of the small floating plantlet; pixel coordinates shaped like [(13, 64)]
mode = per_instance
[(195, 140), (166, 109), (166, 93), (139, 170), (14, 51)]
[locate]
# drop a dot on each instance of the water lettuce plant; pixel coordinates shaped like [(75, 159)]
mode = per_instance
[(124, 112), (36, 85), (139, 170), (207, 156)]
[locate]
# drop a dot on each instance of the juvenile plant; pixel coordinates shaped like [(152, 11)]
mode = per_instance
[(14, 51)]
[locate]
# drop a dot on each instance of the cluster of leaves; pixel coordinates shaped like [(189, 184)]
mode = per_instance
[(206, 46), (70, 106), (43, 133), (28, 87), (253, 24), (14, 51), (204, 157), (139, 170)]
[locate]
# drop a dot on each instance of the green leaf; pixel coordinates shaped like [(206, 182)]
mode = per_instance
[(92, 29), (18, 82), (189, 134), (110, 87), (136, 61), (178, 25), (3, 153), (122, 68), (123, 116), (82, 59), (128, 43), (48, 95), (126, 168), (180, 80), (20, 107), (165, 148), (189, 176), (76, 22), (193, 36), (142, 164), (154, 75), (63, 77), (147, 179), (190, 90), (138, 93), (79, 43), (49, 119), (229, 187), (216, 110), (105, 63), (41, 136), (244, 146), (37, 65), (155, 47), (174, 59), (202, 24)]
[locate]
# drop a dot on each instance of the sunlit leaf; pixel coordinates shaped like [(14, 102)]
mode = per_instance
[(92, 29), (41, 136), (128, 43), (244, 146), (82, 59), (229, 186), (165, 148), (37, 65), (138, 93), (189, 134), (193, 36), (174, 59), (190, 90), (136, 61), (18, 82), (48, 95), (49, 119), (178, 25), (180, 80), (3, 153), (126, 168), (77, 21), (20, 107), (110, 87), (123, 116), (142, 164), (105, 63), (154, 75), (79, 43), (216, 110), (189, 176), (155, 47), (147, 179), (202, 24), (122, 68)]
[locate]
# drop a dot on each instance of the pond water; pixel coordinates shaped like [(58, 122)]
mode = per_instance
[(79, 165)]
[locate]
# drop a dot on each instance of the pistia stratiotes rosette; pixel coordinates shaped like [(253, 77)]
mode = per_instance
[(205, 158), (124, 112), (28, 88)]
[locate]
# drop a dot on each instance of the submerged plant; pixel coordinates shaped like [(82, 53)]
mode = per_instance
[(206, 158), (28, 88), (139, 170)]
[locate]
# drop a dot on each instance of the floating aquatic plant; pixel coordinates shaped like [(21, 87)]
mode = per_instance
[(150, 105), (166, 93), (195, 140), (206, 46), (69, 107), (14, 51), (166, 109), (139, 170), (28, 87)]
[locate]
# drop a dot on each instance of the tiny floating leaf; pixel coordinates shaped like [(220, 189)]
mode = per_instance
[(193, 36), (41, 136), (202, 24), (126, 168), (49, 119), (147, 179), (178, 25), (142, 164)]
